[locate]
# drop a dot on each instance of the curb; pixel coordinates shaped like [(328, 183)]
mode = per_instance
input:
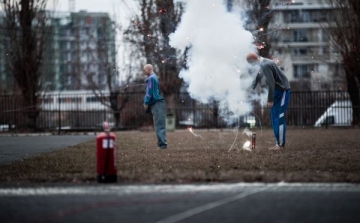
[(24, 134), (45, 134)]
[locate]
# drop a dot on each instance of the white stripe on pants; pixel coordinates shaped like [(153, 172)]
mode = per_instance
[(281, 127)]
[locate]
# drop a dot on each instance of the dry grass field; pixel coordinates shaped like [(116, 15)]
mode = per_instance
[(311, 155)]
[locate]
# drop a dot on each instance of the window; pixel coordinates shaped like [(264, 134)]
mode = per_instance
[(83, 32), (95, 21), (82, 21), (330, 120), (69, 100), (69, 68), (325, 37), (95, 99), (88, 20), (101, 78), (320, 16), (100, 31), (303, 70), (300, 52), (298, 16), (48, 100), (338, 69), (83, 45), (92, 99), (62, 68), (73, 45), (62, 45), (305, 16), (300, 35)]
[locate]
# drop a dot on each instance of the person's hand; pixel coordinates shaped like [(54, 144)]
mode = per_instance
[(146, 107), (270, 104)]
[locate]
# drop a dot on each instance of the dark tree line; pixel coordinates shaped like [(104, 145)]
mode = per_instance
[(345, 34), (149, 36), (25, 36), (260, 14)]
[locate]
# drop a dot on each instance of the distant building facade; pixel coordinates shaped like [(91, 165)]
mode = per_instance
[(301, 45), (3, 76), (80, 52), (305, 46)]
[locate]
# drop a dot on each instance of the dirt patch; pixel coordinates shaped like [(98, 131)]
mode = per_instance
[(311, 155)]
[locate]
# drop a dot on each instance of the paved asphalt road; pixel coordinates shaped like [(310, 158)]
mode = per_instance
[(17, 148), (223, 203)]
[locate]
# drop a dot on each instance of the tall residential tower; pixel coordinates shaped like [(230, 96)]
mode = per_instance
[(80, 53)]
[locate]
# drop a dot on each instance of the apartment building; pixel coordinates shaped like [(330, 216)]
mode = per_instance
[(301, 44), (3, 77), (80, 52)]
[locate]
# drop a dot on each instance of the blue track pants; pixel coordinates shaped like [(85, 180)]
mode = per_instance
[(278, 112)]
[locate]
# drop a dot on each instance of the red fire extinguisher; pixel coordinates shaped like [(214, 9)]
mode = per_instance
[(106, 156)]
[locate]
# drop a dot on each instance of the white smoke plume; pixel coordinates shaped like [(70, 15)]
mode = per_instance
[(247, 132), (217, 66)]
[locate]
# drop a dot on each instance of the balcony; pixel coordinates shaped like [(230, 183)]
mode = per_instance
[(308, 25), (304, 59), (303, 44), (289, 7)]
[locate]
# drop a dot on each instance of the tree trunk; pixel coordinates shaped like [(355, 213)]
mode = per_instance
[(31, 118), (25, 32), (215, 115), (354, 93), (170, 103), (117, 119)]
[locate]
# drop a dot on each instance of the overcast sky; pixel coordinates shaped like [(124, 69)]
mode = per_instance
[(123, 9), (89, 5)]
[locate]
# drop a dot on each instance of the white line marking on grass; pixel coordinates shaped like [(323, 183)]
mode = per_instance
[(194, 211)]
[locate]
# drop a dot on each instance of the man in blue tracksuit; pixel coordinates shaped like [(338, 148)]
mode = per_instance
[(278, 95), (155, 104)]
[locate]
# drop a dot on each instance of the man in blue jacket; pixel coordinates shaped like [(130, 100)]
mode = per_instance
[(155, 103), (278, 94)]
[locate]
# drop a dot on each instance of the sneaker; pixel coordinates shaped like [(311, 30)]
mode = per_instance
[(163, 147), (276, 148)]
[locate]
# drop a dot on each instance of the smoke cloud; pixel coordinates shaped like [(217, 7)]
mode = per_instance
[(217, 66)]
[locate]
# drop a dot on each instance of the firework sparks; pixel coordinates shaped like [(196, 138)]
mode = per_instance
[(246, 146), (190, 129), (162, 11)]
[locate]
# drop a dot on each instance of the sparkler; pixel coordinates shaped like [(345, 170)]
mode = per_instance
[(237, 133), (162, 11), (247, 145)]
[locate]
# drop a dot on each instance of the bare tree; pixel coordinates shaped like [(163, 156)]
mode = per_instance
[(345, 29), (260, 15), (25, 29), (149, 34), (101, 69)]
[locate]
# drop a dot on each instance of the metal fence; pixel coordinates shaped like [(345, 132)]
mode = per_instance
[(79, 111)]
